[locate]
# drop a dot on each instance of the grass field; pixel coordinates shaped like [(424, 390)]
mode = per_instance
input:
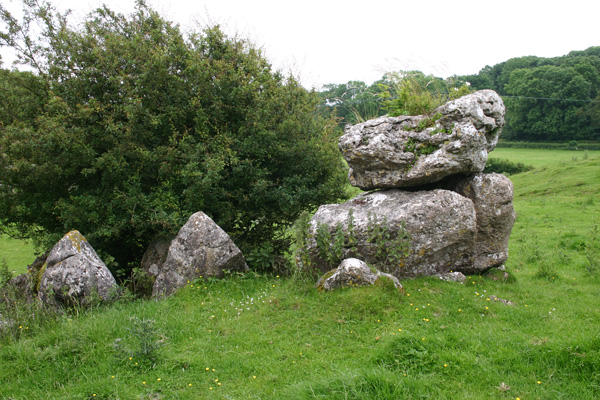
[(268, 337), (17, 254)]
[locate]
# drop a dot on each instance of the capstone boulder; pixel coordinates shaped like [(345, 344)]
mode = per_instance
[(74, 274), (200, 249), (408, 151)]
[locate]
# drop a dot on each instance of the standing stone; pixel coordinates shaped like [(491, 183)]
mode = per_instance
[(74, 274), (408, 151), (201, 248), (492, 196)]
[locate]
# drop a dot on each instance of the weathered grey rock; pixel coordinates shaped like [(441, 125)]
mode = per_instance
[(155, 256), (74, 274), (390, 152), (201, 248), (453, 277), (441, 225), (21, 288), (492, 196), (353, 272)]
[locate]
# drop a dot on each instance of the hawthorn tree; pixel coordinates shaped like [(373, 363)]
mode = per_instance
[(139, 126)]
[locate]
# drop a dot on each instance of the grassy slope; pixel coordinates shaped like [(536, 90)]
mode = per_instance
[(17, 254), (272, 338)]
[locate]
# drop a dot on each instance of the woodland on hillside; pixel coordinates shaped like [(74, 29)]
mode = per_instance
[(547, 99)]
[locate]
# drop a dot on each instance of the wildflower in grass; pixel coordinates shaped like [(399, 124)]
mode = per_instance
[(422, 338), (112, 377), (253, 376), (189, 384), (539, 382), (143, 383), (158, 379)]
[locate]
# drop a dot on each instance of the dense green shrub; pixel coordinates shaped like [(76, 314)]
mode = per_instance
[(502, 166), (140, 126)]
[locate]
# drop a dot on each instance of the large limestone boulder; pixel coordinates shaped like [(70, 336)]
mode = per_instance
[(354, 272), (74, 274), (408, 151), (492, 196), (201, 248), (438, 227)]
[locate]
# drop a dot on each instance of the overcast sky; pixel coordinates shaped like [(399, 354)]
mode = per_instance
[(333, 41)]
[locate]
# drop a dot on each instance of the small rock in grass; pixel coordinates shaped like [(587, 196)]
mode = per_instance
[(453, 277), (354, 272)]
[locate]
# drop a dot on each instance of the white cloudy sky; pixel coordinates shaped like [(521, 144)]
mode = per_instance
[(334, 41)]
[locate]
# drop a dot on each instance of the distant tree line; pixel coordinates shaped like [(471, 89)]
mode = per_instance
[(547, 99)]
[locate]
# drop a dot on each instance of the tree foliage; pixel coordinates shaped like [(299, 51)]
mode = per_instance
[(396, 93), (136, 126), (554, 99)]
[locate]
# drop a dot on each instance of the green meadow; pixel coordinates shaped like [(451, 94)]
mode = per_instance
[(271, 337)]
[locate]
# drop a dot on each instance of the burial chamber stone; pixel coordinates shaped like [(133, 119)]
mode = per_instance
[(74, 274), (492, 196), (408, 151), (441, 227), (201, 248)]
